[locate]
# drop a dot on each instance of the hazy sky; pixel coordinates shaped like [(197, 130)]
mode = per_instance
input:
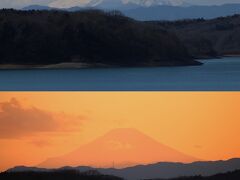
[(47, 124), (22, 3)]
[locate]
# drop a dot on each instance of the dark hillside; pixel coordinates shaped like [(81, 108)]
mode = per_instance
[(207, 38), (235, 175), (58, 175), (91, 36)]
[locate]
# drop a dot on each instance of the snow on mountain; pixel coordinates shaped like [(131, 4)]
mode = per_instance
[(69, 3), (113, 3)]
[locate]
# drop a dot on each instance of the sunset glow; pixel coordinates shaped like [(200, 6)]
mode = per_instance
[(35, 126)]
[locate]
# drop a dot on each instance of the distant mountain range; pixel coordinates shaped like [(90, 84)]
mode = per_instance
[(113, 3), (38, 7), (159, 170), (155, 11), (178, 13)]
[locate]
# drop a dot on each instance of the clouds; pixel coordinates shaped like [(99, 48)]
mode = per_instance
[(17, 121)]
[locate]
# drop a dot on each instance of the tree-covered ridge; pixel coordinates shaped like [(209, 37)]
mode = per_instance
[(90, 36), (57, 174), (61, 174), (207, 38), (234, 175)]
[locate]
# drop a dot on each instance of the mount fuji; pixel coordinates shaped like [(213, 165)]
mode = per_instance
[(124, 147)]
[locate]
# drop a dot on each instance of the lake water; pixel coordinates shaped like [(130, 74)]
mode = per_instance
[(215, 74)]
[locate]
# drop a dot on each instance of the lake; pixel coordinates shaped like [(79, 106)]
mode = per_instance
[(215, 75)]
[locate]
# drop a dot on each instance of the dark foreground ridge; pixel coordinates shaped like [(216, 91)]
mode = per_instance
[(91, 37), (57, 174), (92, 175), (234, 175), (162, 170)]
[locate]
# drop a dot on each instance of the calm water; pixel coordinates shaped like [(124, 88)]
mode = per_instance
[(218, 74)]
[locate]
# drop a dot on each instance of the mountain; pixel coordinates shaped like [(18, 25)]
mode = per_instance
[(178, 12), (167, 170), (147, 10), (113, 3), (58, 174), (162, 170), (233, 175), (72, 3), (95, 175), (36, 7), (123, 147), (207, 38), (48, 8), (149, 3), (25, 169)]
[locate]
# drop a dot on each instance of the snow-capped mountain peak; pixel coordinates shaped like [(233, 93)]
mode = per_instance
[(113, 3)]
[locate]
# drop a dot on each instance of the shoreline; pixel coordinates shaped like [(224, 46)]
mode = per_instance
[(88, 66), (231, 55), (47, 66)]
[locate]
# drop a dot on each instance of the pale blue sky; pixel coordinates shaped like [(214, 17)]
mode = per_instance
[(22, 3)]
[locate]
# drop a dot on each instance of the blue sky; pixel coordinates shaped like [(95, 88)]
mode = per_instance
[(22, 3)]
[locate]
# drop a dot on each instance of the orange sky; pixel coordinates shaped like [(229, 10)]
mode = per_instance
[(38, 125)]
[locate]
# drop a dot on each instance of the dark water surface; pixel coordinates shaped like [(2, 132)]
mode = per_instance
[(215, 75)]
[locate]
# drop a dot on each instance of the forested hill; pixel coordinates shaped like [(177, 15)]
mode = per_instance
[(234, 175), (207, 38), (91, 36), (56, 174)]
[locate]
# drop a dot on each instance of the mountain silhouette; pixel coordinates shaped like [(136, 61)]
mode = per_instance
[(180, 13), (158, 12), (74, 174), (113, 3), (163, 170), (119, 148)]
